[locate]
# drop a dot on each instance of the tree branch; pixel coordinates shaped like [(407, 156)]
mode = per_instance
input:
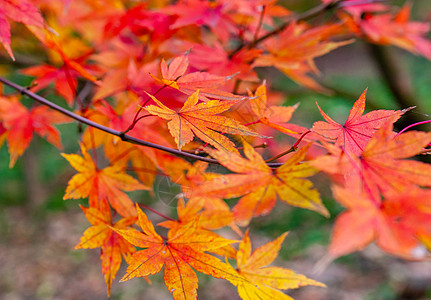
[(124, 137)]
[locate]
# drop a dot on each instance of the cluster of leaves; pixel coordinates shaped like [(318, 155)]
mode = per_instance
[(176, 79)]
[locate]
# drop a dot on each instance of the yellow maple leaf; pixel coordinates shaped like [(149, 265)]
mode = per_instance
[(96, 183)]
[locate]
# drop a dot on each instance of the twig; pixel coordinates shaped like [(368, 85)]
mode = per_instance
[(293, 148), (301, 17), (259, 25), (135, 118), (156, 212), (412, 125)]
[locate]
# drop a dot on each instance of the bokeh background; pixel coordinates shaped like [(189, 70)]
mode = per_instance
[(38, 230)]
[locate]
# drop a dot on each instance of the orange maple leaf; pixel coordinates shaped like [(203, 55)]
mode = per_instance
[(216, 213), (216, 217), (113, 246), (293, 51), (396, 224), (272, 116), (259, 185), (173, 76), (98, 184), (182, 250), (382, 166), (119, 152), (356, 132), (265, 282), (20, 11), (201, 120), (19, 124)]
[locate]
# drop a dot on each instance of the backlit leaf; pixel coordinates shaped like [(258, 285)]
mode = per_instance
[(259, 185), (202, 120), (182, 251)]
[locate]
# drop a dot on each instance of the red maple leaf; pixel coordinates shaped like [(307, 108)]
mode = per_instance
[(381, 167), (356, 132), (19, 11), (19, 124)]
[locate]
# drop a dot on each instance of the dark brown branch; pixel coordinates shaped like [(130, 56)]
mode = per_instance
[(124, 137)]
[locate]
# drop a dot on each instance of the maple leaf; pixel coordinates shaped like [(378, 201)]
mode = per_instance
[(20, 11), (396, 225), (123, 72), (119, 152), (397, 30), (259, 185), (356, 132), (113, 246), (201, 120), (215, 60), (212, 14), (178, 169), (381, 167), (206, 83), (272, 116), (214, 218), (216, 215), (64, 78), (72, 57), (294, 49), (183, 250), (357, 8), (98, 184), (19, 125), (157, 25), (265, 282)]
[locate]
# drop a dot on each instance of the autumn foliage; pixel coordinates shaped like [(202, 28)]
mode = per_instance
[(167, 88)]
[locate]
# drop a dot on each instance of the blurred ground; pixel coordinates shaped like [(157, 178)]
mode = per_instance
[(38, 262)]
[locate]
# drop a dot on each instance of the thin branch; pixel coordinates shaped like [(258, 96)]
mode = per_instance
[(259, 25), (135, 118), (412, 125), (156, 212), (301, 17), (263, 145), (124, 137), (293, 148)]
